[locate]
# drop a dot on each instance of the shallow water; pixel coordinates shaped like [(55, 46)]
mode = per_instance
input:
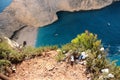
[(105, 23), (4, 4)]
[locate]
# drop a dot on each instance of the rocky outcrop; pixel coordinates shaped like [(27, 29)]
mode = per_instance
[(10, 42), (39, 13)]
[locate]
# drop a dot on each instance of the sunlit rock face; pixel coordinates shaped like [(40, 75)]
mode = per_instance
[(38, 13)]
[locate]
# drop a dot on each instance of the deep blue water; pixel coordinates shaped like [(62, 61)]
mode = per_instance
[(4, 4), (105, 23)]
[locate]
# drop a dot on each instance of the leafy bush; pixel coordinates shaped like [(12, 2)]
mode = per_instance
[(60, 56), (68, 47), (4, 63), (5, 49), (96, 60), (29, 52), (8, 53), (49, 48), (87, 41), (16, 57)]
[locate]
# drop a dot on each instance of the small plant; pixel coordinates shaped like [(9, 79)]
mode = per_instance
[(5, 49), (60, 56), (16, 57), (4, 63), (68, 47), (87, 40)]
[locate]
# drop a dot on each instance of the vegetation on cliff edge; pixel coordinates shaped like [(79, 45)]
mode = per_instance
[(96, 61), (86, 42)]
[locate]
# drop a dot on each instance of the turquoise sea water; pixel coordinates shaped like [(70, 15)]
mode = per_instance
[(105, 23), (4, 4)]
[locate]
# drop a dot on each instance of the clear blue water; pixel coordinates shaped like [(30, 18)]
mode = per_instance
[(105, 23), (4, 4)]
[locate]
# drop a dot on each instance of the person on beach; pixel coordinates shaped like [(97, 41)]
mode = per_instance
[(24, 43)]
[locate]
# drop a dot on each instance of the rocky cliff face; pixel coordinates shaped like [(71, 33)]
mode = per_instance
[(38, 13)]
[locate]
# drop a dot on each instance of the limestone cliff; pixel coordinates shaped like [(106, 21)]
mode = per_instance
[(38, 13)]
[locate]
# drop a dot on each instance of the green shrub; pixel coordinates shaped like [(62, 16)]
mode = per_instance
[(55, 47), (5, 49), (60, 56), (96, 60), (87, 41), (29, 51), (4, 63), (68, 47), (49, 48), (16, 57), (8, 53)]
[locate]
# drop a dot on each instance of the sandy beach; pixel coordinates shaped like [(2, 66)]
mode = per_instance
[(29, 35)]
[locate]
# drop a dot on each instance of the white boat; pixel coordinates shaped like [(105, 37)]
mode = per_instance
[(108, 24), (56, 34)]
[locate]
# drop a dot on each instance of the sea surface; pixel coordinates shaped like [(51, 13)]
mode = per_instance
[(4, 4), (105, 23)]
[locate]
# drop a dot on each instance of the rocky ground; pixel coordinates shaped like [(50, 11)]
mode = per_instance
[(46, 68)]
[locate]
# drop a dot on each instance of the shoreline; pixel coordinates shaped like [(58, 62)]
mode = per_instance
[(11, 18), (28, 34)]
